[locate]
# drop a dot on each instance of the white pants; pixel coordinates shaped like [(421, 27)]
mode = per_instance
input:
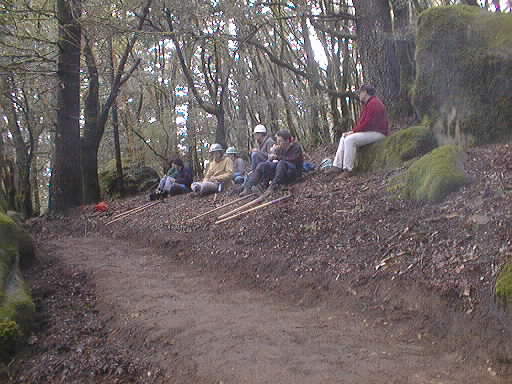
[(204, 187), (347, 149)]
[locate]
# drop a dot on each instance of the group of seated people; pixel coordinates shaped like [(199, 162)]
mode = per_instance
[(275, 163)]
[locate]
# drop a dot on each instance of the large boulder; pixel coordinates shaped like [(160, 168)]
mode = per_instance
[(434, 176), (464, 74), (137, 178), (16, 306), (396, 150)]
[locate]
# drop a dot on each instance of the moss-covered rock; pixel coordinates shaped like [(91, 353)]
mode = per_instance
[(464, 74), (396, 149), (16, 306), (8, 250), (26, 248), (10, 335), (434, 176), (137, 178), (504, 284)]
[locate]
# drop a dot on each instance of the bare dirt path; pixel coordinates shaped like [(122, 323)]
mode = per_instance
[(204, 330)]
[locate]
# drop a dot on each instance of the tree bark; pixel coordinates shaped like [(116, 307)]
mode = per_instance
[(377, 49), (67, 181), (23, 200)]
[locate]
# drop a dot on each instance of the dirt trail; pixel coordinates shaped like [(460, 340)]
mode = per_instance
[(203, 330)]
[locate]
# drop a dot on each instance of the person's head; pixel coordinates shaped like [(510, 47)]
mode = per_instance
[(217, 152), (366, 92), (284, 138), (177, 163), (232, 152), (260, 132)]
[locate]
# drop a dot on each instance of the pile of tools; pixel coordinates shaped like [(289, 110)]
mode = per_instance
[(253, 205)]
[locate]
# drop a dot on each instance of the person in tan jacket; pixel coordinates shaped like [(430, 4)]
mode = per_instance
[(219, 173)]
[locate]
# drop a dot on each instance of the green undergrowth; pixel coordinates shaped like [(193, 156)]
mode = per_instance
[(433, 176), (504, 284), (396, 149), (16, 306)]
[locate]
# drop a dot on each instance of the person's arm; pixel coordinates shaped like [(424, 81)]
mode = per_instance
[(293, 154), (367, 118), (267, 148), (185, 177), (208, 172), (227, 172)]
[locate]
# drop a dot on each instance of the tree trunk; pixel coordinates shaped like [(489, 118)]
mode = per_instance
[(23, 200), (117, 148), (377, 49), (91, 138), (67, 181), (34, 181)]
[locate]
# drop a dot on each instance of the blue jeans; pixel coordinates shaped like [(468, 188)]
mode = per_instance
[(178, 189), (257, 158), (280, 172), (238, 178)]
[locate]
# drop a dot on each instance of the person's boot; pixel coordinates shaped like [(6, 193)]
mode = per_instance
[(247, 190), (333, 171), (272, 190)]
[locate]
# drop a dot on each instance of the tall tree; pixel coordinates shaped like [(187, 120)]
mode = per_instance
[(377, 49), (67, 181)]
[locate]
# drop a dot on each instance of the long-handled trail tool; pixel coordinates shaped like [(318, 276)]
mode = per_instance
[(133, 211), (223, 206), (258, 200), (130, 210), (260, 206)]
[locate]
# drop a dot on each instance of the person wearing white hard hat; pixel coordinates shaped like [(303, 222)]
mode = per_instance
[(265, 144), (218, 175), (238, 165)]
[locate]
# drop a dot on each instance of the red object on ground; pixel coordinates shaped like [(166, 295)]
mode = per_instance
[(101, 207)]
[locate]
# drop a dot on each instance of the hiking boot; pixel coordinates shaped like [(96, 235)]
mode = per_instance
[(346, 175), (333, 171), (272, 190), (246, 191), (259, 189)]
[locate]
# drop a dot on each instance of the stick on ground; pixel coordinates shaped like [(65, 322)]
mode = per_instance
[(130, 210), (222, 206), (254, 209), (241, 208), (140, 209)]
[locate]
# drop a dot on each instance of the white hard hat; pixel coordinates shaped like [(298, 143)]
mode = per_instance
[(260, 128), (231, 151), (216, 148)]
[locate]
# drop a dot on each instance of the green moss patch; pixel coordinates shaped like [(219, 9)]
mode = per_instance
[(10, 335), (16, 306), (504, 283), (434, 176), (8, 249), (396, 149), (464, 74)]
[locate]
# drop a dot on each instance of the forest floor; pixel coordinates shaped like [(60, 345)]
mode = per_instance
[(345, 283)]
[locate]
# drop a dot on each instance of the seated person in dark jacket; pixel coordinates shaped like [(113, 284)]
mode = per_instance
[(178, 179), (284, 165)]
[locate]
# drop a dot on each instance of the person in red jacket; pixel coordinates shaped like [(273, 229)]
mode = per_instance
[(373, 126)]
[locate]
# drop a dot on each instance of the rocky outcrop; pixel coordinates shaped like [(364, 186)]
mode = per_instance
[(463, 79), (137, 178), (396, 150)]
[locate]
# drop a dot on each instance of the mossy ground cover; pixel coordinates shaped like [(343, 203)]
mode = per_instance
[(504, 284), (396, 149), (16, 306), (464, 73), (434, 176)]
